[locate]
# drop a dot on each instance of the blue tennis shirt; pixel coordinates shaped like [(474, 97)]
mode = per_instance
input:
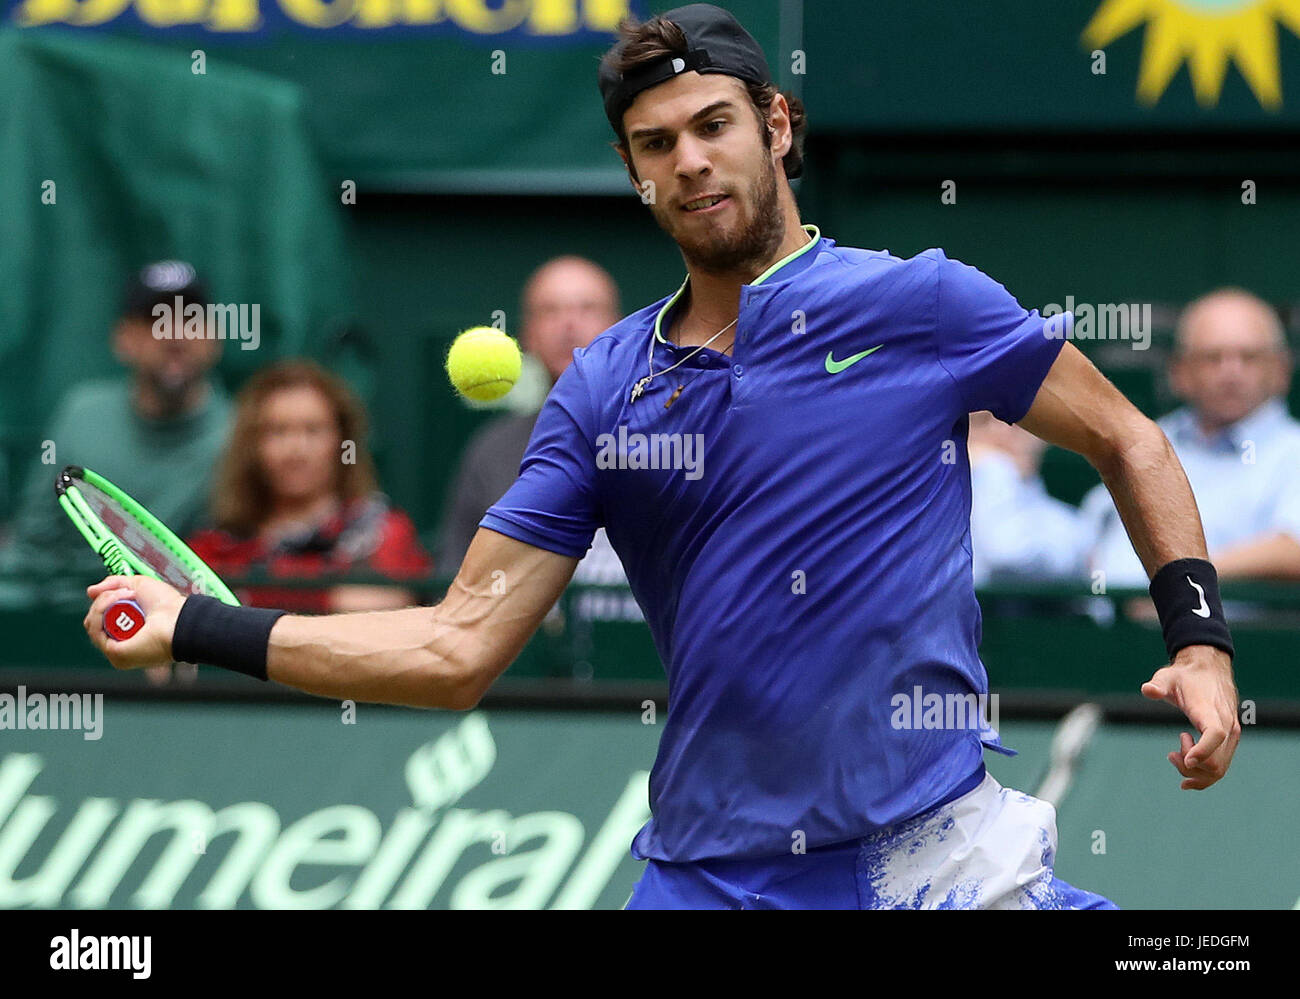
[(795, 526)]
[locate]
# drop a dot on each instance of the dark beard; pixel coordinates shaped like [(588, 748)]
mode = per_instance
[(753, 247), (172, 392)]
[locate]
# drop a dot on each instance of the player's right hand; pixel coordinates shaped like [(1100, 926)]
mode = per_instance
[(161, 604)]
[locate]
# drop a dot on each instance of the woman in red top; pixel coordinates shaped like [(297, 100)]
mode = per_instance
[(296, 497)]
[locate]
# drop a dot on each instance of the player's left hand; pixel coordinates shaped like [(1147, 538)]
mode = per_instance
[(1199, 683)]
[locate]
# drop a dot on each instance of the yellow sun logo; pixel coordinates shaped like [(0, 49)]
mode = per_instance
[(1205, 34)]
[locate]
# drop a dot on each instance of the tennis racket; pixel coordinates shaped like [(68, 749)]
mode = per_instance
[(131, 541)]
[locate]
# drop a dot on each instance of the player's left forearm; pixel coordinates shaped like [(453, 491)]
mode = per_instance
[(1153, 497), (1078, 408)]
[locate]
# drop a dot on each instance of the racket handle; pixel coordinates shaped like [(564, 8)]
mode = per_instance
[(123, 620)]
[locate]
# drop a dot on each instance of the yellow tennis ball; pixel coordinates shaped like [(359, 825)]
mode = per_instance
[(484, 363)]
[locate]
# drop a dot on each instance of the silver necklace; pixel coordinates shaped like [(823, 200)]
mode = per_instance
[(639, 388)]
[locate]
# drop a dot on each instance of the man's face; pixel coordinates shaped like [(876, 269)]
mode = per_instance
[(172, 366), (696, 136), (566, 306), (1229, 362)]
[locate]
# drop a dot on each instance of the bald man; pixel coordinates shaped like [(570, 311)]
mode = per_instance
[(1240, 448), (567, 303)]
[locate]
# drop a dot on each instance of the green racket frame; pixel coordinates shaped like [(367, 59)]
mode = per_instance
[(117, 557)]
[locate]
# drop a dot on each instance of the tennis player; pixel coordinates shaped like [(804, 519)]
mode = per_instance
[(777, 453)]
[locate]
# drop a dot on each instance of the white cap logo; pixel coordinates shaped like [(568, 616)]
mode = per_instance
[(679, 65), (168, 275)]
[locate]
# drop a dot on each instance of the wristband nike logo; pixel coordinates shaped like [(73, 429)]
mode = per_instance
[(1204, 609), (834, 367)]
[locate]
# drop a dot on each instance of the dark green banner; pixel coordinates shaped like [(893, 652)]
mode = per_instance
[(186, 805), (501, 94), (283, 808), (932, 65), (449, 95)]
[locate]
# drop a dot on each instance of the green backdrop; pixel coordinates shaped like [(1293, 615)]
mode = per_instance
[(113, 154)]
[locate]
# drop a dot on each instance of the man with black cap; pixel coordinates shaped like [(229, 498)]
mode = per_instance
[(777, 454), (156, 433)]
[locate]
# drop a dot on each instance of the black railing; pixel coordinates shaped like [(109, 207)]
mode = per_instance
[(1046, 638)]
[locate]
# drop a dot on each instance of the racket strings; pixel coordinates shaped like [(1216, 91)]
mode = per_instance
[(148, 548)]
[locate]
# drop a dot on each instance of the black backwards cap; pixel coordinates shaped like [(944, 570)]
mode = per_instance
[(716, 43)]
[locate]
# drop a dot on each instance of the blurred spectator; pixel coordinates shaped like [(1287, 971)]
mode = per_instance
[(296, 497), (567, 303), (1018, 531), (1241, 449), (155, 433)]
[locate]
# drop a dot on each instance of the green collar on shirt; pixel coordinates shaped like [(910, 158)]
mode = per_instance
[(812, 231)]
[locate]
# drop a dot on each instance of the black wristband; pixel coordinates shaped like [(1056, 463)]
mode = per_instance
[(1186, 595), (235, 638)]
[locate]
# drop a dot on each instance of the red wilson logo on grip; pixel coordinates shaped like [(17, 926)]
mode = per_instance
[(123, 619)]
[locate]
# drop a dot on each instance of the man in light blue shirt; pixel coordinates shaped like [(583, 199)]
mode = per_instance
[(1235, 439), (1019, 531)]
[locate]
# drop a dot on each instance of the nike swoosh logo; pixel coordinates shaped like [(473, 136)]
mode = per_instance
[(834, 367), (1204, 609)]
